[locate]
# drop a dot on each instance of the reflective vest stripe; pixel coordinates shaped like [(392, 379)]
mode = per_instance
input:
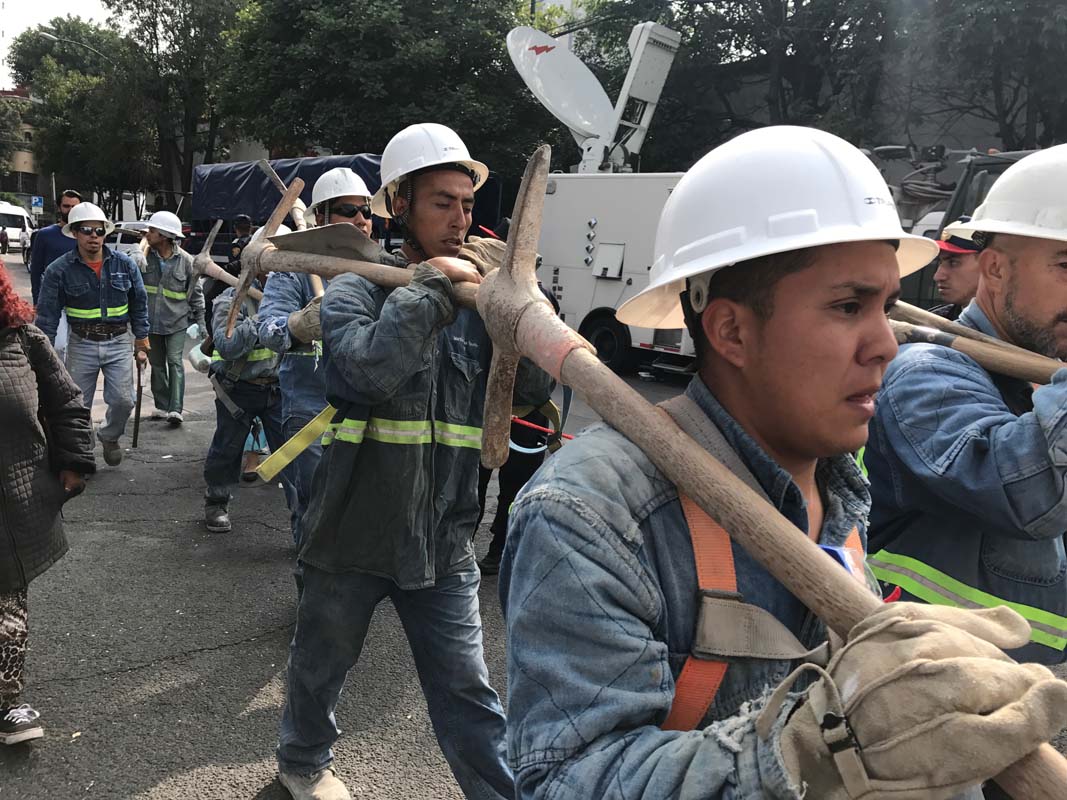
[(259, 354), (94, 313), (859, 461), (83, 313), (393, 431), (166, 292), (458, 435), (937, 588)]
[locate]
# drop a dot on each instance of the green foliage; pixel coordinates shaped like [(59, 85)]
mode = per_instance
[(92, 123), (347, 76), (10, 130)]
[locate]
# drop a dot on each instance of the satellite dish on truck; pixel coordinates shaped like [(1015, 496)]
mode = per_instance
[(563, 84), (608, 136)]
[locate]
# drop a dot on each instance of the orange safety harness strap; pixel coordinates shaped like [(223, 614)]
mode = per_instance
[(700, 678)]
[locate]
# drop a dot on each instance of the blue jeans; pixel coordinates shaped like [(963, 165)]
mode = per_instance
[(302, 469), (222, 466), (445, 633), (86, 359)]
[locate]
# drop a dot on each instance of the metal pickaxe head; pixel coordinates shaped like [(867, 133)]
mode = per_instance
[(203, 258), (252, 252)]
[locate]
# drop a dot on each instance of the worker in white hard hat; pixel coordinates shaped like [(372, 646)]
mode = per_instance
[(102, 293), (643, 644), (289, 324), (175, 310), (967, 469), (395, 496)]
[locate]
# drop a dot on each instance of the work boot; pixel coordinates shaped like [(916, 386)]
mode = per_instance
[(19, 724), (217, 520), (174, 419), (322, 785), (112, 453)]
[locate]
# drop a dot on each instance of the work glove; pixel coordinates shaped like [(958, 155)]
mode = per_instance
[(304, 325), (920, 704), (486, 254), (140, 350), (200, 360), (193, 331)]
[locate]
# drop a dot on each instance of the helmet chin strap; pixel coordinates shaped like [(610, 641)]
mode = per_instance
[(404, 219)]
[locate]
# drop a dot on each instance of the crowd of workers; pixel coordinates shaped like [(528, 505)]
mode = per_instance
[(648, 654)]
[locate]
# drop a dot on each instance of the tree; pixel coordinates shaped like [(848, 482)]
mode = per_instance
[(10, 130), (347, 76), (92, 121), (180, 41)]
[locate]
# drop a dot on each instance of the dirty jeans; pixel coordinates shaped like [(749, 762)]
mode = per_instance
[(168, 371), (13, 635), (222, 466), (86, 359), (303, 469), (444, 631)]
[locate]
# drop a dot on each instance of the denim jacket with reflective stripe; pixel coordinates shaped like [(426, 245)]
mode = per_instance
[(175, 297), (599, 590), (117, 296), (259, 361), (970, 499), (396, 491)]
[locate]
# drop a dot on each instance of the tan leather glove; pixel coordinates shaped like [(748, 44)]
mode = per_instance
[(920, 704), (304, 324), (486, 254), (140, 350)]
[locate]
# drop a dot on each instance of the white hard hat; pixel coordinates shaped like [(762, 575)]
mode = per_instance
[(418, 147), (167, 223), (282, 229), (1027, 200), (86, 212), (768, 191), (336, 182)]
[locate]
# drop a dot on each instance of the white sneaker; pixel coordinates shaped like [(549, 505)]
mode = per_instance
[(323, 785)]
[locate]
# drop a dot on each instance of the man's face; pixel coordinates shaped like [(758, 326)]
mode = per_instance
[(154, 238), (353, 209), (812, 370), (1030, 293), (65, 205), (441, 213), (90, 244), (957, 277)]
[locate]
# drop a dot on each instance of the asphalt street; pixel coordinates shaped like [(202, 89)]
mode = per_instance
[(157, 649)]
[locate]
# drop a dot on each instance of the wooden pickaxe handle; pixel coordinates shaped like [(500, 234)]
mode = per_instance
[(991, 353), (297, 215), (204, 265)]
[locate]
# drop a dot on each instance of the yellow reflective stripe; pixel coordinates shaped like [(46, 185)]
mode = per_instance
[(261, 354), (447, 433), (83, 313), (117, 311), (394, 431), (151, 289), (935, 587), (166, 292), (859, 461)]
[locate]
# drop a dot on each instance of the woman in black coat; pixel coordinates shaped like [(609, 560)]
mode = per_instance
[(45, 449)]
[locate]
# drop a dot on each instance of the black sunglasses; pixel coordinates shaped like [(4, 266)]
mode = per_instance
[(349, 211), (90, 231)]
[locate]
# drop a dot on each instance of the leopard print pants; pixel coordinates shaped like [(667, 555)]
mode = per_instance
[(13, 634)]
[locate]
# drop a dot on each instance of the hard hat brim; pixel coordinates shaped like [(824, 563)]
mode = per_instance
[(968, 229), (377, 203), (660, 307)]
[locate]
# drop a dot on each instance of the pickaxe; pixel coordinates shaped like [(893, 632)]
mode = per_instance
[(204, 265), (522, 323)]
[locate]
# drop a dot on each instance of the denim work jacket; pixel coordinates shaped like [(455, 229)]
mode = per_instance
[(117, 296), (176, 299), (969, 482), (599, 589), (302, 374), (396, 491), (241, 356)]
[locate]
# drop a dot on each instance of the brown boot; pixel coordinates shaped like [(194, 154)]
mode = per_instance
[(249, 466)]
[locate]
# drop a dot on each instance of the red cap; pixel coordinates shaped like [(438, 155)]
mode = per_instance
[(950, 247)]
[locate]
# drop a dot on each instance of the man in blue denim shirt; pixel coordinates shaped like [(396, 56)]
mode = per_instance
[(786, 286), (967, 468), (103, 295)]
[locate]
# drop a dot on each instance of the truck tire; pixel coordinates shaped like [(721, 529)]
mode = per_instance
[(611, 339)]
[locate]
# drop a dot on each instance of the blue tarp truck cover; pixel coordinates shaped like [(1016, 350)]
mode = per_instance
[(222, 191)]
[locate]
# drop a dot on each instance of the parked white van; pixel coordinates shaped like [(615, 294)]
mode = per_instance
[(16, 220)]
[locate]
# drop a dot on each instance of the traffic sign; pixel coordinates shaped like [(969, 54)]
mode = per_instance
[(36, 204)]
